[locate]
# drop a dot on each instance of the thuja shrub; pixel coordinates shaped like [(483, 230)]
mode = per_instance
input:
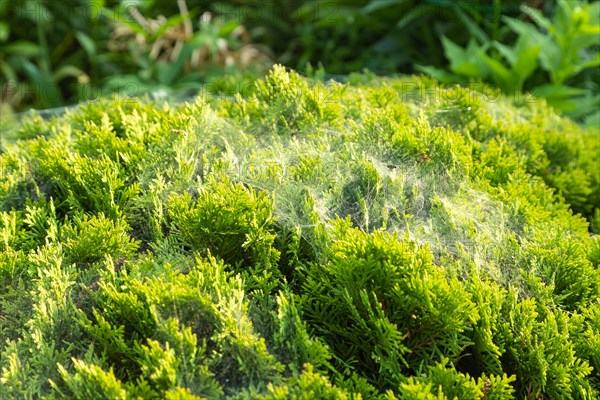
[(385, 238)]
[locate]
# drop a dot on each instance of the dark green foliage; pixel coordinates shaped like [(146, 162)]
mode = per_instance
[(349, 35), (58, 53), (403, 241), (550, 59)]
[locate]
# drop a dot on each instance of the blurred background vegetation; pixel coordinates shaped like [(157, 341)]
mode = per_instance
[(54, 53)]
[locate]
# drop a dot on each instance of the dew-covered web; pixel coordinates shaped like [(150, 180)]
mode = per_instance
[(317, 178)]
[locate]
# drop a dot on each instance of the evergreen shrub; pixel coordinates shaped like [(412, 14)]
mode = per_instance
[(386, 238)]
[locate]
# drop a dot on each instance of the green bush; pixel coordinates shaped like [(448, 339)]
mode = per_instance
[(383, 238)]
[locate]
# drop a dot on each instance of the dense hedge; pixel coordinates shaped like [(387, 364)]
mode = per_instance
[(383, 238)]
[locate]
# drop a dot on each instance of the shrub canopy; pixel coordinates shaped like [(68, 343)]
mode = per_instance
[(381, 238)]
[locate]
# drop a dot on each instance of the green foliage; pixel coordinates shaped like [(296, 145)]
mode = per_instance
[(350, 35), (92, 381), (227, 220), (585, 328), (178, 55), (384, 238), (80, 182), (59, 53), (80, 239), (48, 51), (287, 103), (563, 48), (308, 385), (385, 307), (293, 340), (533, 340), (441, 382)]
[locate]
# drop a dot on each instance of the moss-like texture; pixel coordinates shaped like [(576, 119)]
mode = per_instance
[(382, 238)]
